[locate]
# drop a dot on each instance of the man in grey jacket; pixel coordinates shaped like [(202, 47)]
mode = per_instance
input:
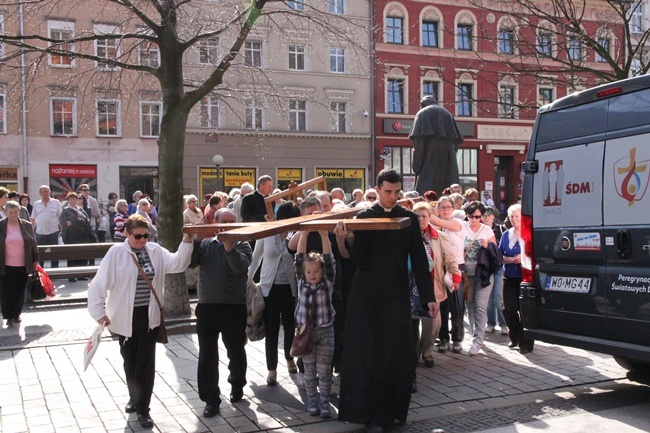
[(221, 310)]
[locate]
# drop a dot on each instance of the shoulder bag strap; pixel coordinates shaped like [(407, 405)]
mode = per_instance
[(146, 279)]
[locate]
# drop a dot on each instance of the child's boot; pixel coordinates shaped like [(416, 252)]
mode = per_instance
[(325, 410)]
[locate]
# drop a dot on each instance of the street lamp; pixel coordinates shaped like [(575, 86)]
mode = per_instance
[(218, 161)]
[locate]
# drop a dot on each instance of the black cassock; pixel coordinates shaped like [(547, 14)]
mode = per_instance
[(378, 351)]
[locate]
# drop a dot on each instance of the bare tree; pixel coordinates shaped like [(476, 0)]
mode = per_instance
[(170, 28)]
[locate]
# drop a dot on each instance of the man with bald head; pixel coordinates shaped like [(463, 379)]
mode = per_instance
[(338, 194), (221, 310), (45, 217)]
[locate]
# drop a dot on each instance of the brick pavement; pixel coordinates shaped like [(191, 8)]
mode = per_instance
[(44, 388)]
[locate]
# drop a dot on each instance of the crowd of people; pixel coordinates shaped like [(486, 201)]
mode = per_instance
[(353, 287)]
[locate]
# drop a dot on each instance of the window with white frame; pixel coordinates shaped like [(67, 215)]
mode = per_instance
[(108, 118), (605, 44), (298, 5), (297, 115), (61, 31), (467, 160), (506, 41), (339, 116), (210, 112), (253, 53), (63, 116), (395, 95), (429, 33), (507, 101), (464, 100), (296, 58), (545, 43), (394, 30), (254, 115), (430, 88), (637, 24), (209, 51), (337, 60), (574, 48), (3, 111), (149, 54), (546, 95), (150, 118), (635, 67), (107, 49), (336, 7), (464, 37)]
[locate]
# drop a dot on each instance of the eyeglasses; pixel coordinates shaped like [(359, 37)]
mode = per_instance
[(140, 236), (445, 207), (476, 217), (372, 197)]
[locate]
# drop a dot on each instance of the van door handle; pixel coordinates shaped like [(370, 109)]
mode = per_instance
[(624, 244)]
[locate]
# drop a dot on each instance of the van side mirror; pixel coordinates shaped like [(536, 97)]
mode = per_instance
[(530, 167)]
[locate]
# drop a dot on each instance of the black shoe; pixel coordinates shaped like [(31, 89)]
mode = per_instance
[(429, 363), (210, 410), (513, 345), (145, 420), (130, 407), (18, 319), (84, 279), (72, 280), (371, 427), (414, 388), (236, 395), (525, 350)]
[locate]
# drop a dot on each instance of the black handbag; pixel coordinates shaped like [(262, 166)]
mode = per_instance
[(35, 289)]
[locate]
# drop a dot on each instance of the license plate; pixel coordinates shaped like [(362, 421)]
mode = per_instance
[(568, 284)]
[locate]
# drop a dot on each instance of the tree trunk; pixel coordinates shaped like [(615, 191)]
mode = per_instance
[(171, 145)]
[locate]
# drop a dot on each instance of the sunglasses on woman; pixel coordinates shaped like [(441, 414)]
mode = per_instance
[(140, 236)]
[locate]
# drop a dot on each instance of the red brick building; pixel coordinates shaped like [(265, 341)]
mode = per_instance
[(467, 58)]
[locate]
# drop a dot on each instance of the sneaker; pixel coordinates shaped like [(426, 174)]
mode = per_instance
[(457, 347), (325, 409), (301, 381), (490, 329), (505, 330), (312, 405), (473, 351), (443, 346)]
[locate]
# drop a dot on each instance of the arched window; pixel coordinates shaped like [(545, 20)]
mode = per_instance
[(465, 31), (431, 26), (395, 24)]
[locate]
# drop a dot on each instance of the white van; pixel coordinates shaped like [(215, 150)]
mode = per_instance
[(586, 223)]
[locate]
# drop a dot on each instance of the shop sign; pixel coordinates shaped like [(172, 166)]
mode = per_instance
[(8, 174), (67, 177), (232, 177), (289, 174), (398, 126)]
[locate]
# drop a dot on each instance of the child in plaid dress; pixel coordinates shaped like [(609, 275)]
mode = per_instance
[(315, 274)]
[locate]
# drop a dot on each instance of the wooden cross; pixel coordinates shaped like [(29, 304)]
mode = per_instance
[(322, 221)]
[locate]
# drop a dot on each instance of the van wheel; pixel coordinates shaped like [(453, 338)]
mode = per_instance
[(639, 371)]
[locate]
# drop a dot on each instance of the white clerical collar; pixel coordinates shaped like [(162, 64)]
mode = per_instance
[(386, 209)]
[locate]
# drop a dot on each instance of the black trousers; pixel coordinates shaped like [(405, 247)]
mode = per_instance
[(229, 320), (139, 355), (12, 291), (279, 308), (512, 314)]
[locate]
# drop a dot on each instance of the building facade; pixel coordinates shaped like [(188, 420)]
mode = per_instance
[(470, 59), (295, 103)]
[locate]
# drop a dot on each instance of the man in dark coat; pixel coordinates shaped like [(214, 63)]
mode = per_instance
[(435, 138), (378, 351), (253, 208)]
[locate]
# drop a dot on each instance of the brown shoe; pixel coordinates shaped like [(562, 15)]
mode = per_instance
[(292, 367)]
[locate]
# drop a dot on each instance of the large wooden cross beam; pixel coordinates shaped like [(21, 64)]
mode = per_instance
[(293, 192)]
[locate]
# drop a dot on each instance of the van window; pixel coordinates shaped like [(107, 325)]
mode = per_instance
[(574, 122), (626, 111)]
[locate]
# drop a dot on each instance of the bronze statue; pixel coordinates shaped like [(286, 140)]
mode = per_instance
[(435, 138)]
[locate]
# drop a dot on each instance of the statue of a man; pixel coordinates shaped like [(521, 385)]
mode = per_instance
[(435, 138)]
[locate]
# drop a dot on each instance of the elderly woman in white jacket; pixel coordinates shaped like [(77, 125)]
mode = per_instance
[(278, 280), (120, 298)]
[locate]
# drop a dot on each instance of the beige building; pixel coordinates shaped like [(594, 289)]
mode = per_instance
[(295, 103)]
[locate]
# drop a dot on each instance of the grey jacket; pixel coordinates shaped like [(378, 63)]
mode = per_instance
[(222, 275)]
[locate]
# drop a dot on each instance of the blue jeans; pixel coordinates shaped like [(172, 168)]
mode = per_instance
[(495, 304), (50, 239)]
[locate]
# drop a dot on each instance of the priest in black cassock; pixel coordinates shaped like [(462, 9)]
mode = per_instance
[(378, 351)]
